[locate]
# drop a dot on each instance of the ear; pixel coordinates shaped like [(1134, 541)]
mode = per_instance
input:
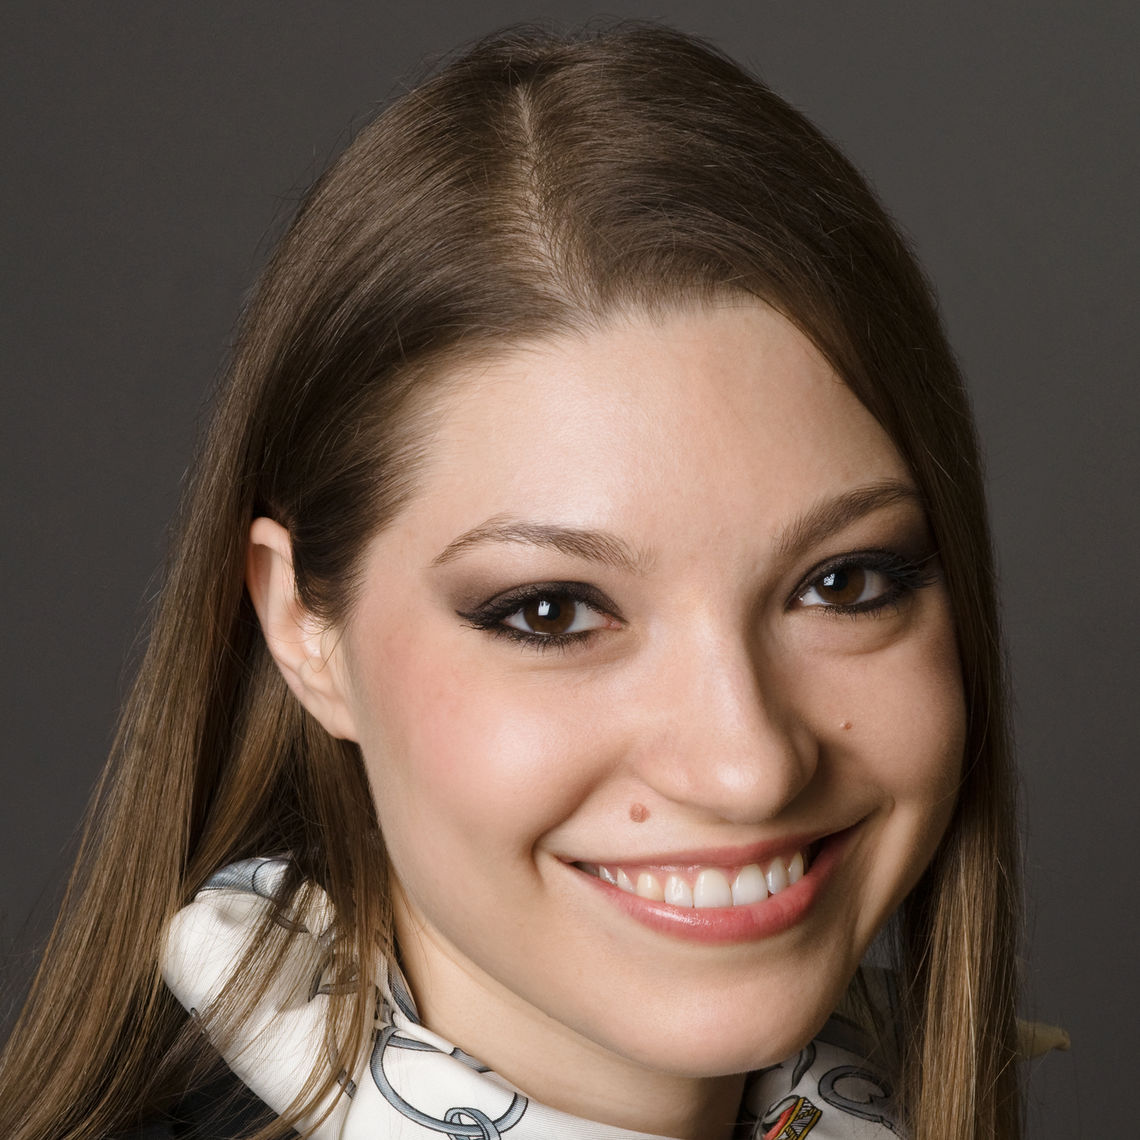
[(307, 652)]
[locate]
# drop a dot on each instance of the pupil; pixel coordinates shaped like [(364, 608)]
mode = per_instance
[(836, 580)]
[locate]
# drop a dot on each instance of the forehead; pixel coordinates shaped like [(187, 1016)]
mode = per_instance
[(704, 418)]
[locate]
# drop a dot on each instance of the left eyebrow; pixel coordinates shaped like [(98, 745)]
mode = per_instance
[(594, 545), (832, 515)]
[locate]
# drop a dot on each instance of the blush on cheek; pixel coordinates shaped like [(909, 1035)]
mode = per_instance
[(473, 748)]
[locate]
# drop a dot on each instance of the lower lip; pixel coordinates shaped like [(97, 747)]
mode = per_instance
[(770, 916)]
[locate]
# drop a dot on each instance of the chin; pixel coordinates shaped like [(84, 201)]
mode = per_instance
[(721, 1038)]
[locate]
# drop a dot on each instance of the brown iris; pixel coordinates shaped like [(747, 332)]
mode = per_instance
[(550, 614), (843, 587)]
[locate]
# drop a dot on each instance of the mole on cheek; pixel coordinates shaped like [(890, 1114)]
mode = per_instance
[(639, 813), (845, 725)]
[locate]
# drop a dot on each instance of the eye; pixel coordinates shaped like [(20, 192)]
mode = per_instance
[(847, 586), (864, 582), (546, 615), (555, 615)]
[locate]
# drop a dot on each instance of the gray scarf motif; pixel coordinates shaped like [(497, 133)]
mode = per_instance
[(417, 1085)]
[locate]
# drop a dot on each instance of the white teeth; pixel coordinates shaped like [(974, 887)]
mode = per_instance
[(649, 888), (678, 892), (711, 889), (776, 876), (749, 887)]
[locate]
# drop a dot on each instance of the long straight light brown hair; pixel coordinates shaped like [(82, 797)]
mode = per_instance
[(537, 184)]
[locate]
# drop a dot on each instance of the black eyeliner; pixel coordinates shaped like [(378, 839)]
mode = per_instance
[(907, 575), (489, 615)]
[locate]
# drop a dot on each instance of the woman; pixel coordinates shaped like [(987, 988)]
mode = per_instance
[(582, 634)]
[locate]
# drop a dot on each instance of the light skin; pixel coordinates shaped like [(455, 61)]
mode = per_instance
[(678, 489)]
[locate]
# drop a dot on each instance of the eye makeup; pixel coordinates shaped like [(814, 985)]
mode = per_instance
[(561, 614), (864, 582)]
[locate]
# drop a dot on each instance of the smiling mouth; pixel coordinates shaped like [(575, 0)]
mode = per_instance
[(705, 887)]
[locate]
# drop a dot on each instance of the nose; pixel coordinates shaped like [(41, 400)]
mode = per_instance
[(722, 732)]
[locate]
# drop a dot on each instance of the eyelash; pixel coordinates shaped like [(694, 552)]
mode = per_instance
[(905, 575), (491, 615)]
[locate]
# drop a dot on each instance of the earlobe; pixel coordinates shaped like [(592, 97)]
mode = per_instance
[(304, 649)]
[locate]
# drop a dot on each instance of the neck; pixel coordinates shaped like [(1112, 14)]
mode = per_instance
[(535, 1052)]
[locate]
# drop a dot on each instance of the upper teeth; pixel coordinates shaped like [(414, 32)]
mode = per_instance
[(705, 886)]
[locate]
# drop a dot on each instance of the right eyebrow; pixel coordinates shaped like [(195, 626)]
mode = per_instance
[(578, 542), (831, 515)]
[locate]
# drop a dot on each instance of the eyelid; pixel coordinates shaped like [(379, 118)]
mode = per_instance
[(506, 602), (905, 573)]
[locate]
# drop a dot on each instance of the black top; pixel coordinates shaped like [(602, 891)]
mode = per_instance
[(223, 1109)]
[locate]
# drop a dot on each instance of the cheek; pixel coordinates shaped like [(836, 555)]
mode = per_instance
[(924, 723), (907, 739), (478, 757), (895, 714)]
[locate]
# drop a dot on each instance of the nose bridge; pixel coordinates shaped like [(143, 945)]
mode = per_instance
[(728, 737)]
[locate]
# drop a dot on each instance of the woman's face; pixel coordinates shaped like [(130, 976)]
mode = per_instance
[(663, 622)]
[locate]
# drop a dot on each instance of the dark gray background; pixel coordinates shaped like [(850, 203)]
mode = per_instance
[(149, 149)]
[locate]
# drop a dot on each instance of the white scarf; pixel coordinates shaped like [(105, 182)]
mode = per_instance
[(417, 1085)]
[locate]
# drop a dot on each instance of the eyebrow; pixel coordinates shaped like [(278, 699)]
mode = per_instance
[(594, 545), (832, 515), (813, 526)]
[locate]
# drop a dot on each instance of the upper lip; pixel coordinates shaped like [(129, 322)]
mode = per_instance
[(737, 856)]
